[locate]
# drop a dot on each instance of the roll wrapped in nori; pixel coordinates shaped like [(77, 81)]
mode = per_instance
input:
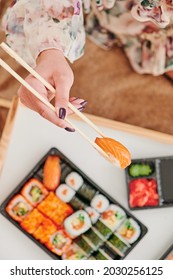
[(77, 223), (113, 216), (129, 230), (117, 244), (65, 193), (93, 214), (81, 242), (76, 203), (74, 180), (103, 229), (100, 203), (93, 239), (87, 192)]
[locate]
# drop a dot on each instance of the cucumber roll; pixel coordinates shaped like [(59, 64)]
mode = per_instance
[(76, 203), (102, 229), (93, 239), (81, 242), (117, 244), (87, 192)]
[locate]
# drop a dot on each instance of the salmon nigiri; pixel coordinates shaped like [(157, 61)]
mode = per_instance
[(117, 153)]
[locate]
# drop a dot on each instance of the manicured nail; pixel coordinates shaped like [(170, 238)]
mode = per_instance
[(76, 98), (62, 113), (81, 108), (83, 103), (70, 129)]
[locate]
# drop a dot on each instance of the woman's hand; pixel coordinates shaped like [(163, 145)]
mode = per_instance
[(53, 67)]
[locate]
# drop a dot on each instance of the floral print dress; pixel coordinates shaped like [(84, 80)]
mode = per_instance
[(142, 27)]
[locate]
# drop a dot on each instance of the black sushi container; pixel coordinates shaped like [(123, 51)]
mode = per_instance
[(168, 254), (81, 199), (161, 175)]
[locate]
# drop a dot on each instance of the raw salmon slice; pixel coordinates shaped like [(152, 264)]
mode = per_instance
[(52, 172), (118, 154)]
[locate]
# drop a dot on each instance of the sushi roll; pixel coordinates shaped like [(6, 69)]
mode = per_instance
[(93, 214), (52, 172), (102, 255), (55, 209), (93, 239), (65, 193), (87, 192), (100, 203), (74, 253), (18, 208), (113, 217), (45, 230), (65, 170), (76, 203), (129, 230), (118, 245), (80, 241), (74, 180), (102, 229), (34, 191), (77, 223), (32, 221), (59, 242)]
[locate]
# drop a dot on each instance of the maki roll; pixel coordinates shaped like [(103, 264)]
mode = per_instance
[(129, 230), (52, 172), (113, 217), (45, 230), (80, 241), (65, 170), (102, 255), (59, 242), (100, 203), (65, 193), (55, 209), (18, 208), (87, 192), (32, 221), (93, 214), (76, 203), (74, 180), (77, 223), (102, 229), (34, 191), (74, 253), (118, 245), (93, 239)]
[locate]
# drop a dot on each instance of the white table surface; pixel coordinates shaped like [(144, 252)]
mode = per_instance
[(33, 137)]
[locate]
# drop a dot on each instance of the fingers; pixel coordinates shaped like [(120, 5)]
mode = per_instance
[(79, 103), (63, 83), (29, 100)]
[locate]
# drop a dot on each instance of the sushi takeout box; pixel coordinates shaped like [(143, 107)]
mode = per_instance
[(128, 236)]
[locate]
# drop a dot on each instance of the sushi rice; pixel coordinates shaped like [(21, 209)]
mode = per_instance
[(74, 180), (59, 242), (113, 217), (129, 230), (93, 214), (74, 252), (77, 223), (18, 208), (65, 193), (100, 203)]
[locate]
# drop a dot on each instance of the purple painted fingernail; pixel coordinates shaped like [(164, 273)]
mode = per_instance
[(62, 113), (81, 108), (70, 129), (83, 103)]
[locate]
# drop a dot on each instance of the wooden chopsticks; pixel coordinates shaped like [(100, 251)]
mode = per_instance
[(42, 99)]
